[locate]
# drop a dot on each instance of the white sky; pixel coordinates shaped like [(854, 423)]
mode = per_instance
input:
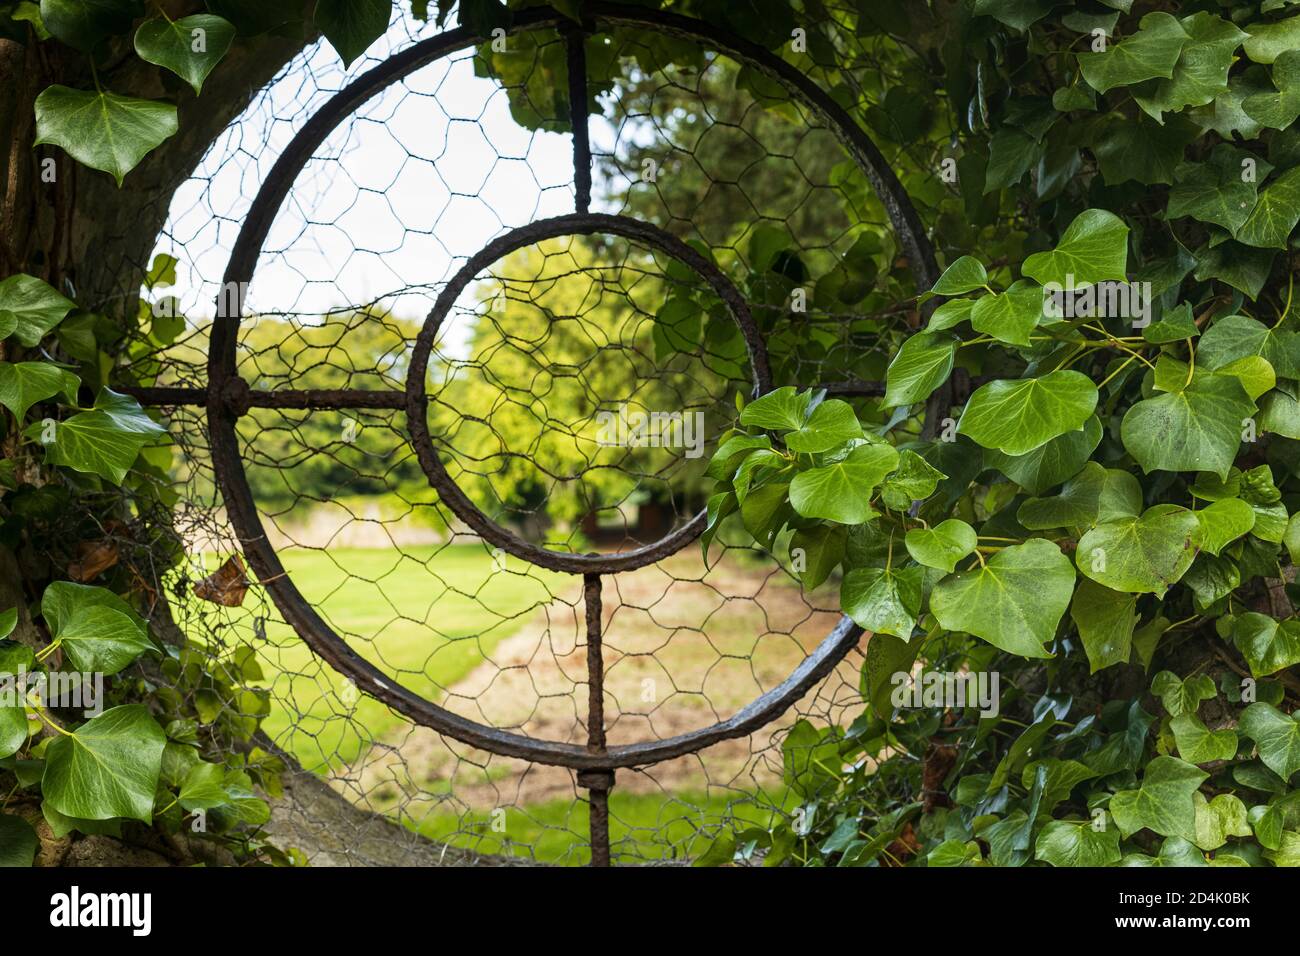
[(423, 176)]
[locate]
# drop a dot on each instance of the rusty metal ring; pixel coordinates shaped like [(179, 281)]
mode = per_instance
[(222, 418), (417, 423)]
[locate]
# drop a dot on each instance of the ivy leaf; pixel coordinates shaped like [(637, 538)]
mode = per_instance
[(1224, 522), (1281, 109), (84, 24), (100, 639), (1276, 735), (1197, 428), (883, 600), (108, 767), (1214, 190), (204, 788), (13, 720), (841, 491), (922, 364), (943, 545), (1275, 214), (62, 600), (1014, 601), (1009, 316), (1175, 851), (1243, 267), (1053, 463), (965, 275), (783, 409), (1268, 645), (1238, 336), (1201, 72), (832, 424), (1142, 151), (1177, 325), (1106, 620), (1218, 819), (102, 130), (32, 308), (23, 384), (1076, 843), (823, 549), (352, 25), (18, 841), (1181, 696), (1149, 53), (103, 441), (1163, 802), (172, 44), (1198, 744), (1017, 416), (1096, 494), (915, 479), (1143, 554), (1093, 249), (1268, 41)]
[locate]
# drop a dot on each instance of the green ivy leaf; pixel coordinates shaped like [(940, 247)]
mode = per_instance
[(922, 364), (1201, 72), (18, 841), (1053, 463), (1147, 54), (29, 308), (352, 25), (1106, 620), (172, 44), (1214, 191), (100, 639), (204, 788), (833, 423), (102, 130), (13, 720), (23, 384), (85, 24), (1014, 601), (1009, 316), (783, 409), (63, 600), (915, 479), (106, 768), (1198, 744), (1182, 696), (841, 491), (1095, 495), (1281, 109), (943, 545), (103, 441), (1093, 249), (823, 549), (883, 600), (965, 275), (1276, 212), (1268, 41), (1224, 522), (1141, 555), (1238, 336), (1163, 802), (1076, 843), (1268, 645), (1218, 819), (1195, 429), (1017, 416)]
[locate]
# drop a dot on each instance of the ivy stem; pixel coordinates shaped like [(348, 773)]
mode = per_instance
[(41, 713)]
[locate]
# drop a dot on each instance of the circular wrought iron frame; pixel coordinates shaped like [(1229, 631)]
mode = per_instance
[(227, 396)]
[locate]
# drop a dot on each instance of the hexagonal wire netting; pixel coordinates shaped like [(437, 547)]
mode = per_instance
[(494, 559)]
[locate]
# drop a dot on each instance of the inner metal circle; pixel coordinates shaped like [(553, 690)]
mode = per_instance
[(451, 493)]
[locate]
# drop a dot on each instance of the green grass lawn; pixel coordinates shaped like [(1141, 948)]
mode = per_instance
[(643, 827), (427, 616)]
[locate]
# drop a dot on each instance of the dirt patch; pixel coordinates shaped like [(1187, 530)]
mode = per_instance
[(685, 646)]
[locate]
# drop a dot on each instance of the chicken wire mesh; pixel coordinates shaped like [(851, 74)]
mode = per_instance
[(576, 387)]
